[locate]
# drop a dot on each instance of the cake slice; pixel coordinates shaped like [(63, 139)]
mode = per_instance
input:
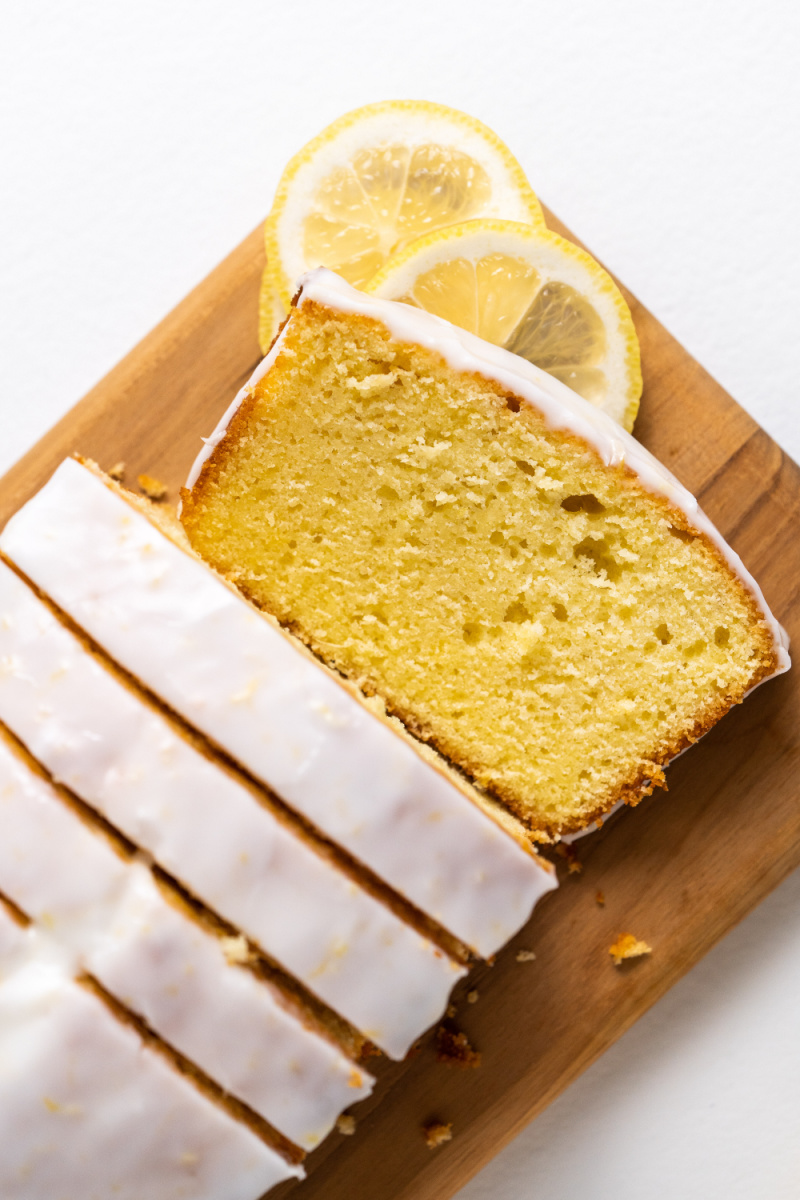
[(258, 695), (88, 1109), (345, 946), (108, 917), (525, 587)]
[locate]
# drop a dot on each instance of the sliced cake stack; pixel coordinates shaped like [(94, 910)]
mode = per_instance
[(226, 852)]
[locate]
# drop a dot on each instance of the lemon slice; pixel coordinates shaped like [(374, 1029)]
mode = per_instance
[(533, 293), (382, 176), (271, 313)]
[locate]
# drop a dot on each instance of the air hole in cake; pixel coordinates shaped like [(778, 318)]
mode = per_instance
[(516, 613), (559, 612), (695, 649), (513, 403), (503, 486), (683, 535), (386, 492), (525, 467), (498, 538), (596, 550), (585, 504), (663, 634), (473, 633), (722, 636)]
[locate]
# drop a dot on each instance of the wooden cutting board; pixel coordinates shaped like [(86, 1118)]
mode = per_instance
[(679, 872)]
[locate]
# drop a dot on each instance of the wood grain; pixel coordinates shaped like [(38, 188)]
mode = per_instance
[(679, 872)]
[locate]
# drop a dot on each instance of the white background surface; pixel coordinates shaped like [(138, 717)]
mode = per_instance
[(141, 141)]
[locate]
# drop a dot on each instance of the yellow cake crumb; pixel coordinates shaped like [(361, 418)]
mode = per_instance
[(566, 851), (525, 956), (154, 489), (436, 1133), (346, 1124), (235, 949), (628, 946), (453, 1047), (472, 997), (117, 472)]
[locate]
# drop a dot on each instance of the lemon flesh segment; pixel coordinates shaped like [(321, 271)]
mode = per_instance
[(548, 302), (381, 177), (505, 287), (560, 329), (386, 197)]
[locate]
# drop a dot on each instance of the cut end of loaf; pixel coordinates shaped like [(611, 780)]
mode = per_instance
[(551, 627)]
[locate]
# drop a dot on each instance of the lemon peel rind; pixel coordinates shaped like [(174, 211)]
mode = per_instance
[(279, 279), (602, 283)]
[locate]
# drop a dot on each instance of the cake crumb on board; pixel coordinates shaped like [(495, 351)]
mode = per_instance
[(453, 1048), (526, 956), (472, 997), (117, 472), (600, 899), (566, 851), (628, 946), (346, 1124), (154, 489), (436, 1133)]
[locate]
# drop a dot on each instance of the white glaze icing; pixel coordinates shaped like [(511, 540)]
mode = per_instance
[(222, 1018), (125, 760), (234, 675), (109, 918), (87, 1112), (559, 405), (52, 866)]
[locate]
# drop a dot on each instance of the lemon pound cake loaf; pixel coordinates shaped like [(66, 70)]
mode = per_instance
[(522, 583)]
